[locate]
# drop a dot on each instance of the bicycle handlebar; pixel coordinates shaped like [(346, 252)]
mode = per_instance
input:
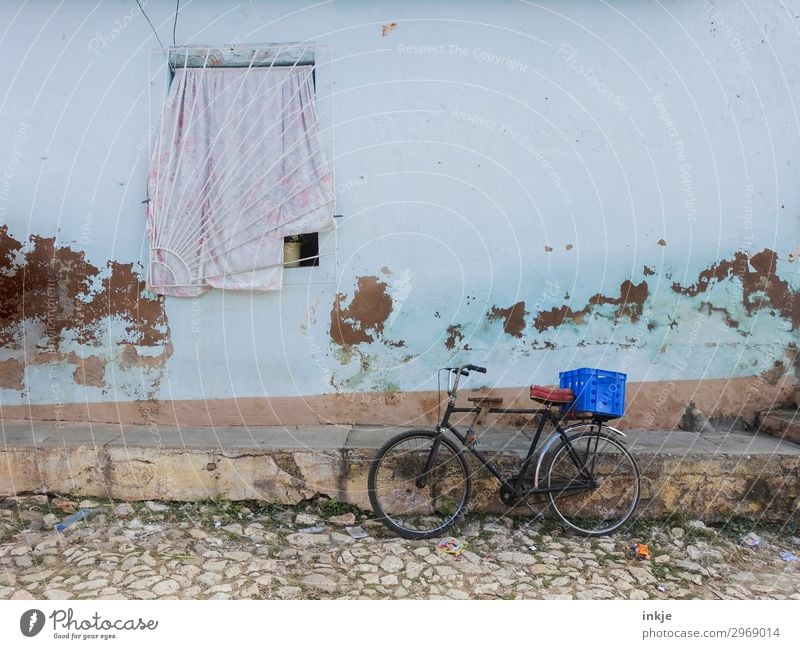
[(464, 370), (458, 372)]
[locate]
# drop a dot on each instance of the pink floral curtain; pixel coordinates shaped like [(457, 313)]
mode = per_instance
[(238, 165)]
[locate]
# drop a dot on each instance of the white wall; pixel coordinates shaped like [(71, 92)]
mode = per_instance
[(464, 141)]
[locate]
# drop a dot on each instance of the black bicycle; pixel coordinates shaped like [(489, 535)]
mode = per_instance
[(420, 481)]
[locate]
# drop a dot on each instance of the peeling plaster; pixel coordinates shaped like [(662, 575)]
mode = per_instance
[(774, 373), (761, 287), (89, 371), (513, 318), (630, 302), (364, 318), (454, 336), (727, 318), (12, 374), (53, 300)]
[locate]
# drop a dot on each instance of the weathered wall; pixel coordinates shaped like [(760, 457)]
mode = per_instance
[(533, 188)]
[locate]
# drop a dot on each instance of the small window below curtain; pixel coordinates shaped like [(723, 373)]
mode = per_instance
[(238, 167), (301, 250)]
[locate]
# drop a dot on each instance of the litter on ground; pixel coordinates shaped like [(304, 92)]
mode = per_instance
[(639, 551), (450, 545), (356, 532), (73, 518), (751, 540)]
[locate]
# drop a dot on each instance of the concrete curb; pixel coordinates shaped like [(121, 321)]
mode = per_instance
[(710, 477)]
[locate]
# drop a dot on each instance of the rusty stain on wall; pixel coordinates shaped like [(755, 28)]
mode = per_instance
[(45, 283), (12, 373), (513, 318), (54, 291), (630, 301), (556, 316), (780, 368), (130, 357), (761, 287), (89, 371), (774, 373), (365, 316), (727, 318), (124, 295), (454, 336), (630, 304)]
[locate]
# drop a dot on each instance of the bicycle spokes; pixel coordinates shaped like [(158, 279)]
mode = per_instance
[(419, 484), (596, 496)]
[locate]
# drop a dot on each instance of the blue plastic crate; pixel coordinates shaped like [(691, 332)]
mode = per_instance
[(599, 391)]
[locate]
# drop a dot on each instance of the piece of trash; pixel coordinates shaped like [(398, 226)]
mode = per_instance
[(317, 529), (143, 532), (450, 545), (217, 523), (788, 556), (750, 540), (73, 518), (661, 588), (532, 548), (356, 532), (639, 551)]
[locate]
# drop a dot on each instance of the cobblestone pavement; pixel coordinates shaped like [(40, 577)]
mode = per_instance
[(229, 550)]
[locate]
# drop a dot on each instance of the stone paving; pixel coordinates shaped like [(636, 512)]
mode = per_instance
[(249, 550)]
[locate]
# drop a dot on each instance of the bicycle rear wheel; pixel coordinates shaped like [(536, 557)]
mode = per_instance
[(409, 501), (598, 486)]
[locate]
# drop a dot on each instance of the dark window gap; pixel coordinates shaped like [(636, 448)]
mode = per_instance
[(309, 249)]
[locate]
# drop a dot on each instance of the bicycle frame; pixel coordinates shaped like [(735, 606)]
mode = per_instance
[(515, 483)]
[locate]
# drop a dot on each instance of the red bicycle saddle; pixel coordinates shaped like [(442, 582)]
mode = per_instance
[(551, 395)]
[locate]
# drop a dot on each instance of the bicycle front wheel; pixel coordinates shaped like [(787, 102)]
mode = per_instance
[(413, 502), (596, 482)]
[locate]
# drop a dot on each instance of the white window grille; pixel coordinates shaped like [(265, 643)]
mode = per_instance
[(239, 164)]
